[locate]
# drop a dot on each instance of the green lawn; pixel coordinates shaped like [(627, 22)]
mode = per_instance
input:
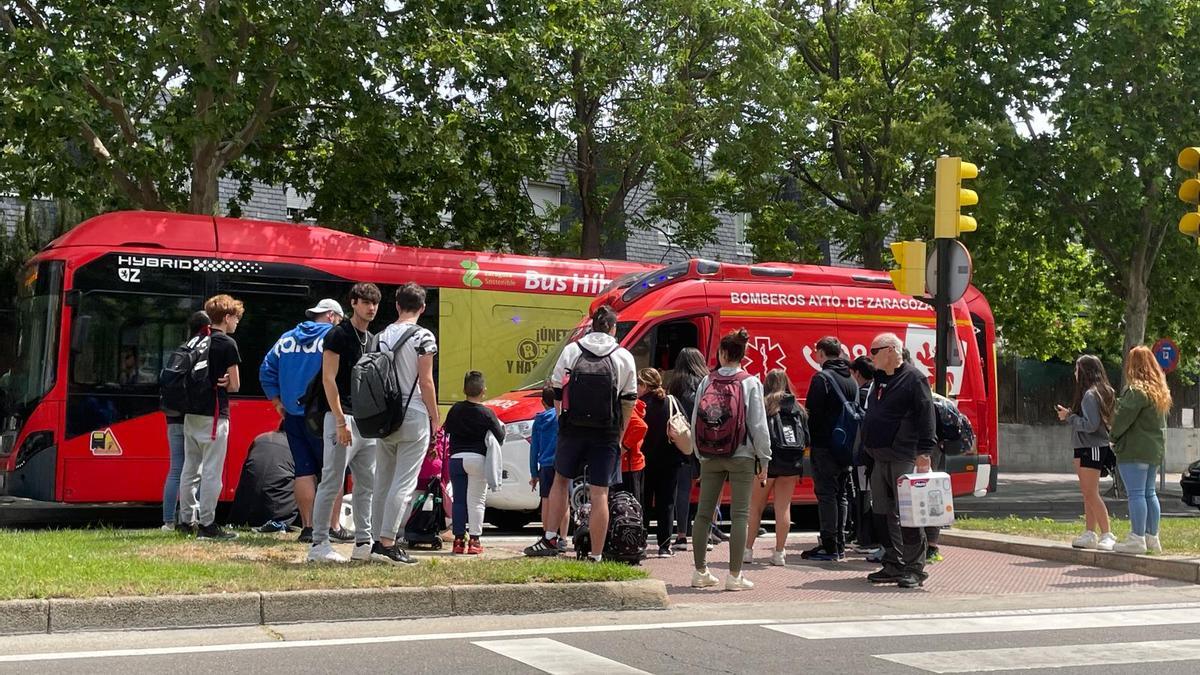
[(1179, 536), (108, 562)]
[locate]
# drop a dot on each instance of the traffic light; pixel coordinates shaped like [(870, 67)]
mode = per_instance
[(1189, 160), (950, 197), (909, 278)]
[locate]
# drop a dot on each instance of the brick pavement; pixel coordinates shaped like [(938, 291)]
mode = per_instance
[(965, 572)]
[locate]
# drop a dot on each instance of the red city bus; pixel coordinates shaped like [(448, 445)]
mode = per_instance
[(100, 308), (787, 309)]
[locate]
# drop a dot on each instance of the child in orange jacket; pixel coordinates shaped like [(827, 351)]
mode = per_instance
[(633, 462)]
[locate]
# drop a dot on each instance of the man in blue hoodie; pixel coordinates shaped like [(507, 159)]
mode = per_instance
[(285, 374)]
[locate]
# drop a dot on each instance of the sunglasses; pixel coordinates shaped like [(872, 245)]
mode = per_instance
[(876, 350)]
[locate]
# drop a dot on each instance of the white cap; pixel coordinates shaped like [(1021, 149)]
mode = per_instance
[(325, 305)]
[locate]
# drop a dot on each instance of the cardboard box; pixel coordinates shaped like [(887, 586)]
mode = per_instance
[(926, 500)]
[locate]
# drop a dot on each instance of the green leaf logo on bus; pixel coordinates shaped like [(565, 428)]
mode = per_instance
[(469, 277)]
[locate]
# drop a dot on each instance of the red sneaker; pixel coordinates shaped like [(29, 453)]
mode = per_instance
[(475, 547), (459, 546)]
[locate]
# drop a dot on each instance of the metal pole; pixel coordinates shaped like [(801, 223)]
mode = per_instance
[(944, 316)]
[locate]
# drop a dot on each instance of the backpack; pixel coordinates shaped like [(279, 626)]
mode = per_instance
[(184, 384), (590, 397), (428, 520), (721, 415), (375, 392), (845, 429), (789, 430), (315, 405), (954, 432), (626, 540)]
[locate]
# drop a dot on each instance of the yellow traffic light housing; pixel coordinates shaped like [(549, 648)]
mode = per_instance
[(909, 277), (1189, 191), (950, 197)]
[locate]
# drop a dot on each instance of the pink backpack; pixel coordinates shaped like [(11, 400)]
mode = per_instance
[(721, 415), (435, 465)]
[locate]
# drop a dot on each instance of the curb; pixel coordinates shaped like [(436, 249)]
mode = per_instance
[(62, 615), (1174, 568)]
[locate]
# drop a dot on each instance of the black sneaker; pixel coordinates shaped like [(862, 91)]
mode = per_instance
[(393, 555), (885, 577), (665, 552), (340, 535), (911, 581), (305, 536), (543, 547), (720, 535), (215, 533), (818, 552), (271, 527), (185, 530)]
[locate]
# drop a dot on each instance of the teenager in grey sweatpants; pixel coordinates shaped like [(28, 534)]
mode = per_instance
[(203, 463), (360, 457), (399, 456)]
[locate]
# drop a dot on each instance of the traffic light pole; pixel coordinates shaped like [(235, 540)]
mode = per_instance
[(945, 317)]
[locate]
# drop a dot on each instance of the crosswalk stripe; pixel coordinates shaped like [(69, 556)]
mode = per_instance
[(987, 624), (1065, 656), (556, 658)]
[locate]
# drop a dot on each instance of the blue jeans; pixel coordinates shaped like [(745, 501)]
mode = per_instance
[(171, 484), (1144, 510), (470, 494)]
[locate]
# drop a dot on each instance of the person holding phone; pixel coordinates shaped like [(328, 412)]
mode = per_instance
[(1090, 417)]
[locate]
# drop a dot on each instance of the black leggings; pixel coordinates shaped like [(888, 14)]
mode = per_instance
[(661, 483)]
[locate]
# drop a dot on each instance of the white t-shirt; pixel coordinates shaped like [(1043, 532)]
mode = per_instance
[(419, 344)]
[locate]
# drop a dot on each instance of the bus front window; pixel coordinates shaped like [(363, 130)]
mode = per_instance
[(38, 311), (542, 371)]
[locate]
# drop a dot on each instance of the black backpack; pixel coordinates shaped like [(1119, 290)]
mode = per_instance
[(789, 433), (315, 405), (375, 394), (184, 383), (428, 520), (845, 429), (590, 398), (954, 432), (626, 540)]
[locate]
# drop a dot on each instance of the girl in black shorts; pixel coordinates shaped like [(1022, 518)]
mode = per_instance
[(785, 466), (1090, 417)]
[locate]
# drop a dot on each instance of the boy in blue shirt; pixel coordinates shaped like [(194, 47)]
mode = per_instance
[(542, 444)]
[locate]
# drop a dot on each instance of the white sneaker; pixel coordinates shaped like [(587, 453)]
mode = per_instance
[(1132, 544), (168, 527), (704, 579), (1086, 540), (1107, 542), (738, 583), (324, 553), (779, 559), (361, 553), (748, 556), (1153, 545)]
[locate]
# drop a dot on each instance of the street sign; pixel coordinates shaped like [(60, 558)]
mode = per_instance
[(959, 272), (1166, 352)]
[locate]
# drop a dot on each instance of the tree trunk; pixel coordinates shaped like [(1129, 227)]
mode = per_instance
[(1137, 308), (204, 193), (871, 247), (590, 213)]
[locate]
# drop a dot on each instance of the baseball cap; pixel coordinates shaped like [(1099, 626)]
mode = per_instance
[(325, 305)]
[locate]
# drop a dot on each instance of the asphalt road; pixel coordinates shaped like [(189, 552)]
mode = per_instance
[(1116, 632)]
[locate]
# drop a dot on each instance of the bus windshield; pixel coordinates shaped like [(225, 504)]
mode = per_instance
[(33, 372), (542, 371)]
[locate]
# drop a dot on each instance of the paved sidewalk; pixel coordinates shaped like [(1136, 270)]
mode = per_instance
[(1056, 495)]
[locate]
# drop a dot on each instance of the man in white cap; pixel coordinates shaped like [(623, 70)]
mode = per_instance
[(285, 375)]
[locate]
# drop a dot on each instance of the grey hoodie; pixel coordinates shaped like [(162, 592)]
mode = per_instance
[(1087, 427)]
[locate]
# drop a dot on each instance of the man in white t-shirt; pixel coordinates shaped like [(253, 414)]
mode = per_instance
[(595, 385), (400, 454)]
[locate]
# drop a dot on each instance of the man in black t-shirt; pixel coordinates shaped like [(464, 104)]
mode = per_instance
[(206, 437), (344, 446)]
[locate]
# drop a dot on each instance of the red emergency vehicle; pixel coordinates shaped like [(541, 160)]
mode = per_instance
[(101, 307), (787, 309)]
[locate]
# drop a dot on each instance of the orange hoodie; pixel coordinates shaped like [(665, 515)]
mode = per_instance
[(632, 458)]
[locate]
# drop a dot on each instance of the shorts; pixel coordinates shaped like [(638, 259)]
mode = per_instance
[(545, 481), (308, 451), (601, 455), (1098, 458)]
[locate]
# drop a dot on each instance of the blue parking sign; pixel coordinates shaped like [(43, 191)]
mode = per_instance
[(1166, 352)]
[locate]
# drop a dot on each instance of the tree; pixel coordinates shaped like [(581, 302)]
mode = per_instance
[(641, 93), (155, 100)]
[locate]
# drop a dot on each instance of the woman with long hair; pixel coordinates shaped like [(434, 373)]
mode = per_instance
[(1139, 429), (662, 458), (1090, 417), (729, 455), (788, 423), (690, 369)]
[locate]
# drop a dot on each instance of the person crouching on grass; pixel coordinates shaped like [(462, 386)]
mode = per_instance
[(467, 424)]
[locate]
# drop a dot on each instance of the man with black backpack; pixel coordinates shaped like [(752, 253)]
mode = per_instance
[(595, 384), (414, 424), (206, 424), (344, 445), (833, 417), (898, 433)]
